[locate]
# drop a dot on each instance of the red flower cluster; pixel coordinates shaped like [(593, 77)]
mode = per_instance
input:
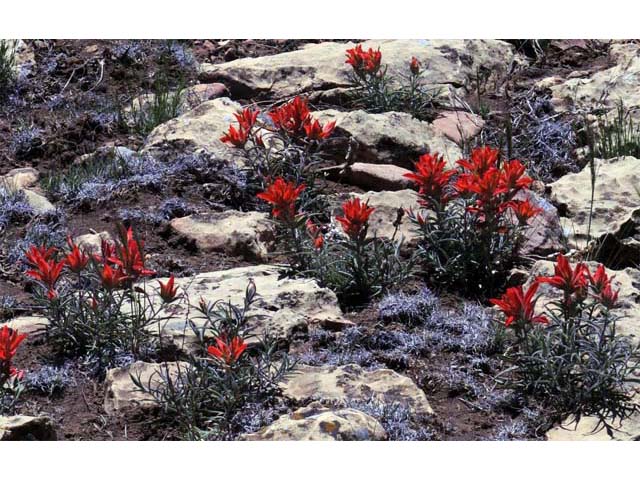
[(228, 352), (246, 120), (294, 118), (518, 306), (355, 219), (432, 180), (414, 66), (44, 268), (129, 257), (282, 195), (315, 233), (168, 291), (76, 260), (364, 62), (10, 340)]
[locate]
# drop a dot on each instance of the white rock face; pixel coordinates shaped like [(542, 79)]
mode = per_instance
[(616, 202), (284, 305), (606, 87), (329, 384), (31, 325), (198, 129), (246, 234), (25, 180), (584, 430), (123, 395), (21, 427), (391, 137), (322, 67), (316, 422)]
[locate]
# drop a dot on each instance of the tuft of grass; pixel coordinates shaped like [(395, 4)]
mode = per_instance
[(617, 135), (7, 65)]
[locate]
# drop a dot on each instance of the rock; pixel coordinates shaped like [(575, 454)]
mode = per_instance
[(584, 430), (246, 234), (123, 395), (350, 383), (92, 242), (31, 325), (283, 305), (544, 235), (105, 153), (392, 137), (197, 94), (21, 427), (316, 422), (458, 126), (20, 178), (615, 209), (38, 202), (198, 129), (386, 206), (605, 87), (321, 67), (376, 177)]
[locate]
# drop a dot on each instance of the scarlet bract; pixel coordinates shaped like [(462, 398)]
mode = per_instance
[(282, 195)]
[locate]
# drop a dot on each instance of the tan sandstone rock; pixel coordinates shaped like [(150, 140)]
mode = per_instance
[(458, 126), (246, 234), (123, 395), (376, 177), (330, 384), (391, 137), (21, 427), (31, 325), (316, 422), (322, 67)]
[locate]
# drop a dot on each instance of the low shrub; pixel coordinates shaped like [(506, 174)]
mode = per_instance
[(50, 380), (377, 92), (11, 385), (571, 357), (471, 223), (94, 307), (14, 207), (203, 398)]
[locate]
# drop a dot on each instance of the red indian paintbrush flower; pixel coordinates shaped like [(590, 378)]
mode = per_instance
[(432, 179), (167, 290), (364, 62), (10, 340), (523, 210), (292, 117), (567, 279), (238, 138), (315, 233), (228, 352), (315, 130), (36, 254), (518, 306), (356, 216), (513, 177), (112, 277), (282, 195), (414, 66), (482, 159), (129, 257), (601, 284), (247, 118), (76, 260), (45, 269)]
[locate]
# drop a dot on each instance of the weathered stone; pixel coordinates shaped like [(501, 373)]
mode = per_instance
[(31, 325), (606, 87), (283, 305), (246, 234), (616, 205), (123, 395), (92, 242), (198, 129), (544, 235), (330, 384), (21, 427), (203, 92), (392, 137), (316, 422), (20, 178), (38, 202), (458, 126), (376, 177), (584, 430), (387, 205), (322, 66)]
